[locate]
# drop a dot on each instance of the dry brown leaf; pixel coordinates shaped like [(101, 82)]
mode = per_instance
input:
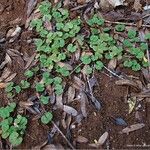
[(61, 64), (137, 5), (11, 77), (5, 74), (59, 101), (71, 94), (31, 6), (109, 4), (83, 102), (103, 138), (70, 110), (112, 64), (25, 104), (81, 139), (30, 60), (133, 127), (78, 83), (81, 1), (146, 74), (48, 25), (129, 83), (2, 85), (35, 15)]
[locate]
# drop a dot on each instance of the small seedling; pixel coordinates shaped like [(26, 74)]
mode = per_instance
[(39, 87), (12, 128), (29, 74), (24, 84), (46, 118), (44, 99), (120, 27)]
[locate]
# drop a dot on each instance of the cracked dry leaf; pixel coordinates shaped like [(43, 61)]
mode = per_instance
[(131, 104), (5, 74), (132, 128), (11, 77), (137, 5)]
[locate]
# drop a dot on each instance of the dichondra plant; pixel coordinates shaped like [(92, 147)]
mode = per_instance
[(12, 128)]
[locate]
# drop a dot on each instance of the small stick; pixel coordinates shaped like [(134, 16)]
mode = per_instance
[(112, 72), (75, 68), (63, 135), (128, 24)]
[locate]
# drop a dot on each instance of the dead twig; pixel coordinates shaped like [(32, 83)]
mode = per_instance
[(128, 24), (62, 135), (113, 73), (75, 68)]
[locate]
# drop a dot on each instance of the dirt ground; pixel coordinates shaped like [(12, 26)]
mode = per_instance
[(113, 97)]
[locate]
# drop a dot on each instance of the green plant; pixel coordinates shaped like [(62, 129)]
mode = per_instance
[(71, 48), (24, 84), (131, 34), (44, 99), (12, 128), (147, 36), (39, 87), (46, 117), (29, 73), (120, 27), (133, 64)]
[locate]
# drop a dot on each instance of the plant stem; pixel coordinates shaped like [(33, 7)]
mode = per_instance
[(128, 24), (112, 72), (63, 135)]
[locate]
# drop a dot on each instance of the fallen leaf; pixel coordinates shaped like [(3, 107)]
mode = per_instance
[(79, 118), (2, 85), (59, 101), (81, 1), (11, 77), (120, 121), (81, 139), (132, 128), (30, 60), (129, 83), (78, 83), (61, 64), (26, 104), (146, 74), (83, 102), (112, 64), (103, 138), (31, 5), (137, 5), (5, 74), (95, 102), (70, 110), (131, 102), (71, 94)]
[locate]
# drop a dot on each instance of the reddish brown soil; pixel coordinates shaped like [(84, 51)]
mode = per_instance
[(111, 95)]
